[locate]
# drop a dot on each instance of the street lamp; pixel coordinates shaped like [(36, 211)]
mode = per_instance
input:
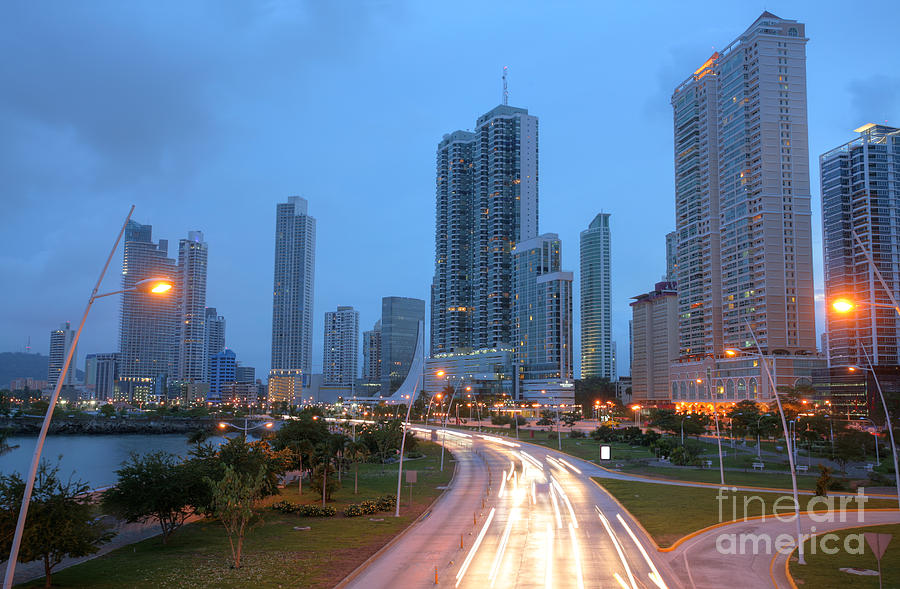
[(636, 408), (718, 436), (150, 286), (268, 425)]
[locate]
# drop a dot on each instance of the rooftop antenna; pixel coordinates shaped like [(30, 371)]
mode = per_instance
[(28, 345), (505, 90)]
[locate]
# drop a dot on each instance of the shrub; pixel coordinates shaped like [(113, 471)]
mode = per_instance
[(305, 510), (576, 434), (370, 507)]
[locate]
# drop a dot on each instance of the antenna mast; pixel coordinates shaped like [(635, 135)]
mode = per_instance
[(505, 90)]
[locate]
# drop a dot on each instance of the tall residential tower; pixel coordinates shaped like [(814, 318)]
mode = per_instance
[(340, 365), (193, 358), (597, 354)]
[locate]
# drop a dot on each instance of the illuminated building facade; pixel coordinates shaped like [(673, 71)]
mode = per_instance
[(597, 352)]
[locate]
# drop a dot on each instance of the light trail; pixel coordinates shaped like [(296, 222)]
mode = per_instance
[(620, 580), (499, 441), (569, 465), (533, 493), (555, 507), (548, 550), (498, 559), (502, 484), (618, 546), (465, 565), (565, 497), (654, 576), (531, 459), (512, 469), (576, 553)]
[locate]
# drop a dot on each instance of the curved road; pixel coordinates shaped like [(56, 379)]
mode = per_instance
[(543, 523)]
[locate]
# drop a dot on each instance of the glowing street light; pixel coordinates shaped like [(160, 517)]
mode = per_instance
[(843, 305)]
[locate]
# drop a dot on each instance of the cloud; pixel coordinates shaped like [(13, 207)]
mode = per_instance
[(876, 99)]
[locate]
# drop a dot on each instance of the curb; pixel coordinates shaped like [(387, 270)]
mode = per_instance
[(378, 553)]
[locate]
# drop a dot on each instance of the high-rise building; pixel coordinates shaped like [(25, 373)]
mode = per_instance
[(292, 303), (100, 375), (147, 324), (400, 318), (221, 371), (742, 196), (542, 314), (192, 361), (655, 341), (671, 256), (372, 354), (486, 202), (340, 367), (244, 373), (861, 196), (214, 332), (61, 341), (596, 300)]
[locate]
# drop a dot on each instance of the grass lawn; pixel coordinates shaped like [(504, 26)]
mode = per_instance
[(711, 475), (275, 554), (668, 512), (586, 448), (822, 570)]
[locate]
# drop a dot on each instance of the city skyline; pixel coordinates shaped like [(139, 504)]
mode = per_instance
[(562, 211)]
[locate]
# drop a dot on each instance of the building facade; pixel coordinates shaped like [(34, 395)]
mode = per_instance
[(654, 327), (597, 357), (148, 324), (486, 202), (61, 341), (860, 198), (292, 303), (542, 314), (221, 372), (671, 256), (400, 318), (341, 353), (192, 360), (372, 354), (100, 375), (481, 372), (214, 332)]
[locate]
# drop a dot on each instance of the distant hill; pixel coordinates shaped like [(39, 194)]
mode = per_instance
[(21, 365)]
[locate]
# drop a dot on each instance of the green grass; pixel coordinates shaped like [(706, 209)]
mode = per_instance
[(275, 554), (668, 512), (587, 448), (711, 475), (822, 570)]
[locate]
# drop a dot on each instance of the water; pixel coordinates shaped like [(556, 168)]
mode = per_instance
[(93, 459)]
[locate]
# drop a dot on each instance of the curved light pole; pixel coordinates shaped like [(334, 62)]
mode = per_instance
[(157, 286), (403, 445), (718, 437), (246, 428)]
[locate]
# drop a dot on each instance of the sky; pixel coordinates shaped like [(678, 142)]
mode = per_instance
[(204, 115)]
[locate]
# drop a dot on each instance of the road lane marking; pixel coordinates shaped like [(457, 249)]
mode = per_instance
[(615, 541), (576, 552)]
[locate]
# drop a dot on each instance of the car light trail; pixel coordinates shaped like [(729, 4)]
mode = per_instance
[(569, 465), (498, 559), (555, 507), (474, 549), (533, 493), (620, 580), (654, 576), (499, 441), (576, 553), (565, 497), (531, 459), (512, 469), (615, 541), (502, 484)]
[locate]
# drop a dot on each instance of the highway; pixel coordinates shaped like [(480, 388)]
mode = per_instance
[(518, 515)]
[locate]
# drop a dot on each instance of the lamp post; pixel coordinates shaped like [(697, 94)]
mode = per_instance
[(157, 286), (444, 428), (246, 428), (875, 435), (771, 379), (403, 445), (718, 437)]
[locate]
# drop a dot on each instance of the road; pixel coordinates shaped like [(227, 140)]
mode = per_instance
[(543, 523)]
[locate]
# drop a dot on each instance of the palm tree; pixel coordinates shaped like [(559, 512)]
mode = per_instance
[(356, 452), (301, 448)]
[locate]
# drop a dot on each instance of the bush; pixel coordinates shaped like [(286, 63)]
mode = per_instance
[(576, 434), (371, 507), (501, 419), (305, 510)]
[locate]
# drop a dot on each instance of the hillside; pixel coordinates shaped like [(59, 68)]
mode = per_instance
[(21, 365)]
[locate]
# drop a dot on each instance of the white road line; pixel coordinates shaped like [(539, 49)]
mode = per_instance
[(615, 541), (474, 549), (654, 576)]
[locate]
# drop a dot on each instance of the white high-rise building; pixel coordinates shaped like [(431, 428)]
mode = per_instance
[(486, 202), (148, 324), (597, 353), (292, 302), (742, 193), (61, 341), (213, 335), (341, 355), (372, 354), (192, 364), (654, 327)]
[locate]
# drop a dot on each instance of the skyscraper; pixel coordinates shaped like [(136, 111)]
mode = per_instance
[(61, 341), (147, 324), (214, 332), (596, 301), (193, 357), (341, 355), (400, 318), (222, 368), (486, 201), (860, 194), (292, 302), (671, 256), (372, 353), (542, 314), (742, 196), (100, 375), (655, 341)]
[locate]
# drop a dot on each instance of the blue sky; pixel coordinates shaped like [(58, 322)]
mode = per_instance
[(206, 114)]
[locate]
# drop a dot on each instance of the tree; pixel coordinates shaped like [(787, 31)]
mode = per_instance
[(107, 410), (248, 457), (569, 418), (60, 519), (322, 484), (356, 452), (155, 486), (5, 448), (825, 481), (233, 498), (850, 446)]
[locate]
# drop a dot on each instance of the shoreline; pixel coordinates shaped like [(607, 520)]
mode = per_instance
[(30, 426)]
